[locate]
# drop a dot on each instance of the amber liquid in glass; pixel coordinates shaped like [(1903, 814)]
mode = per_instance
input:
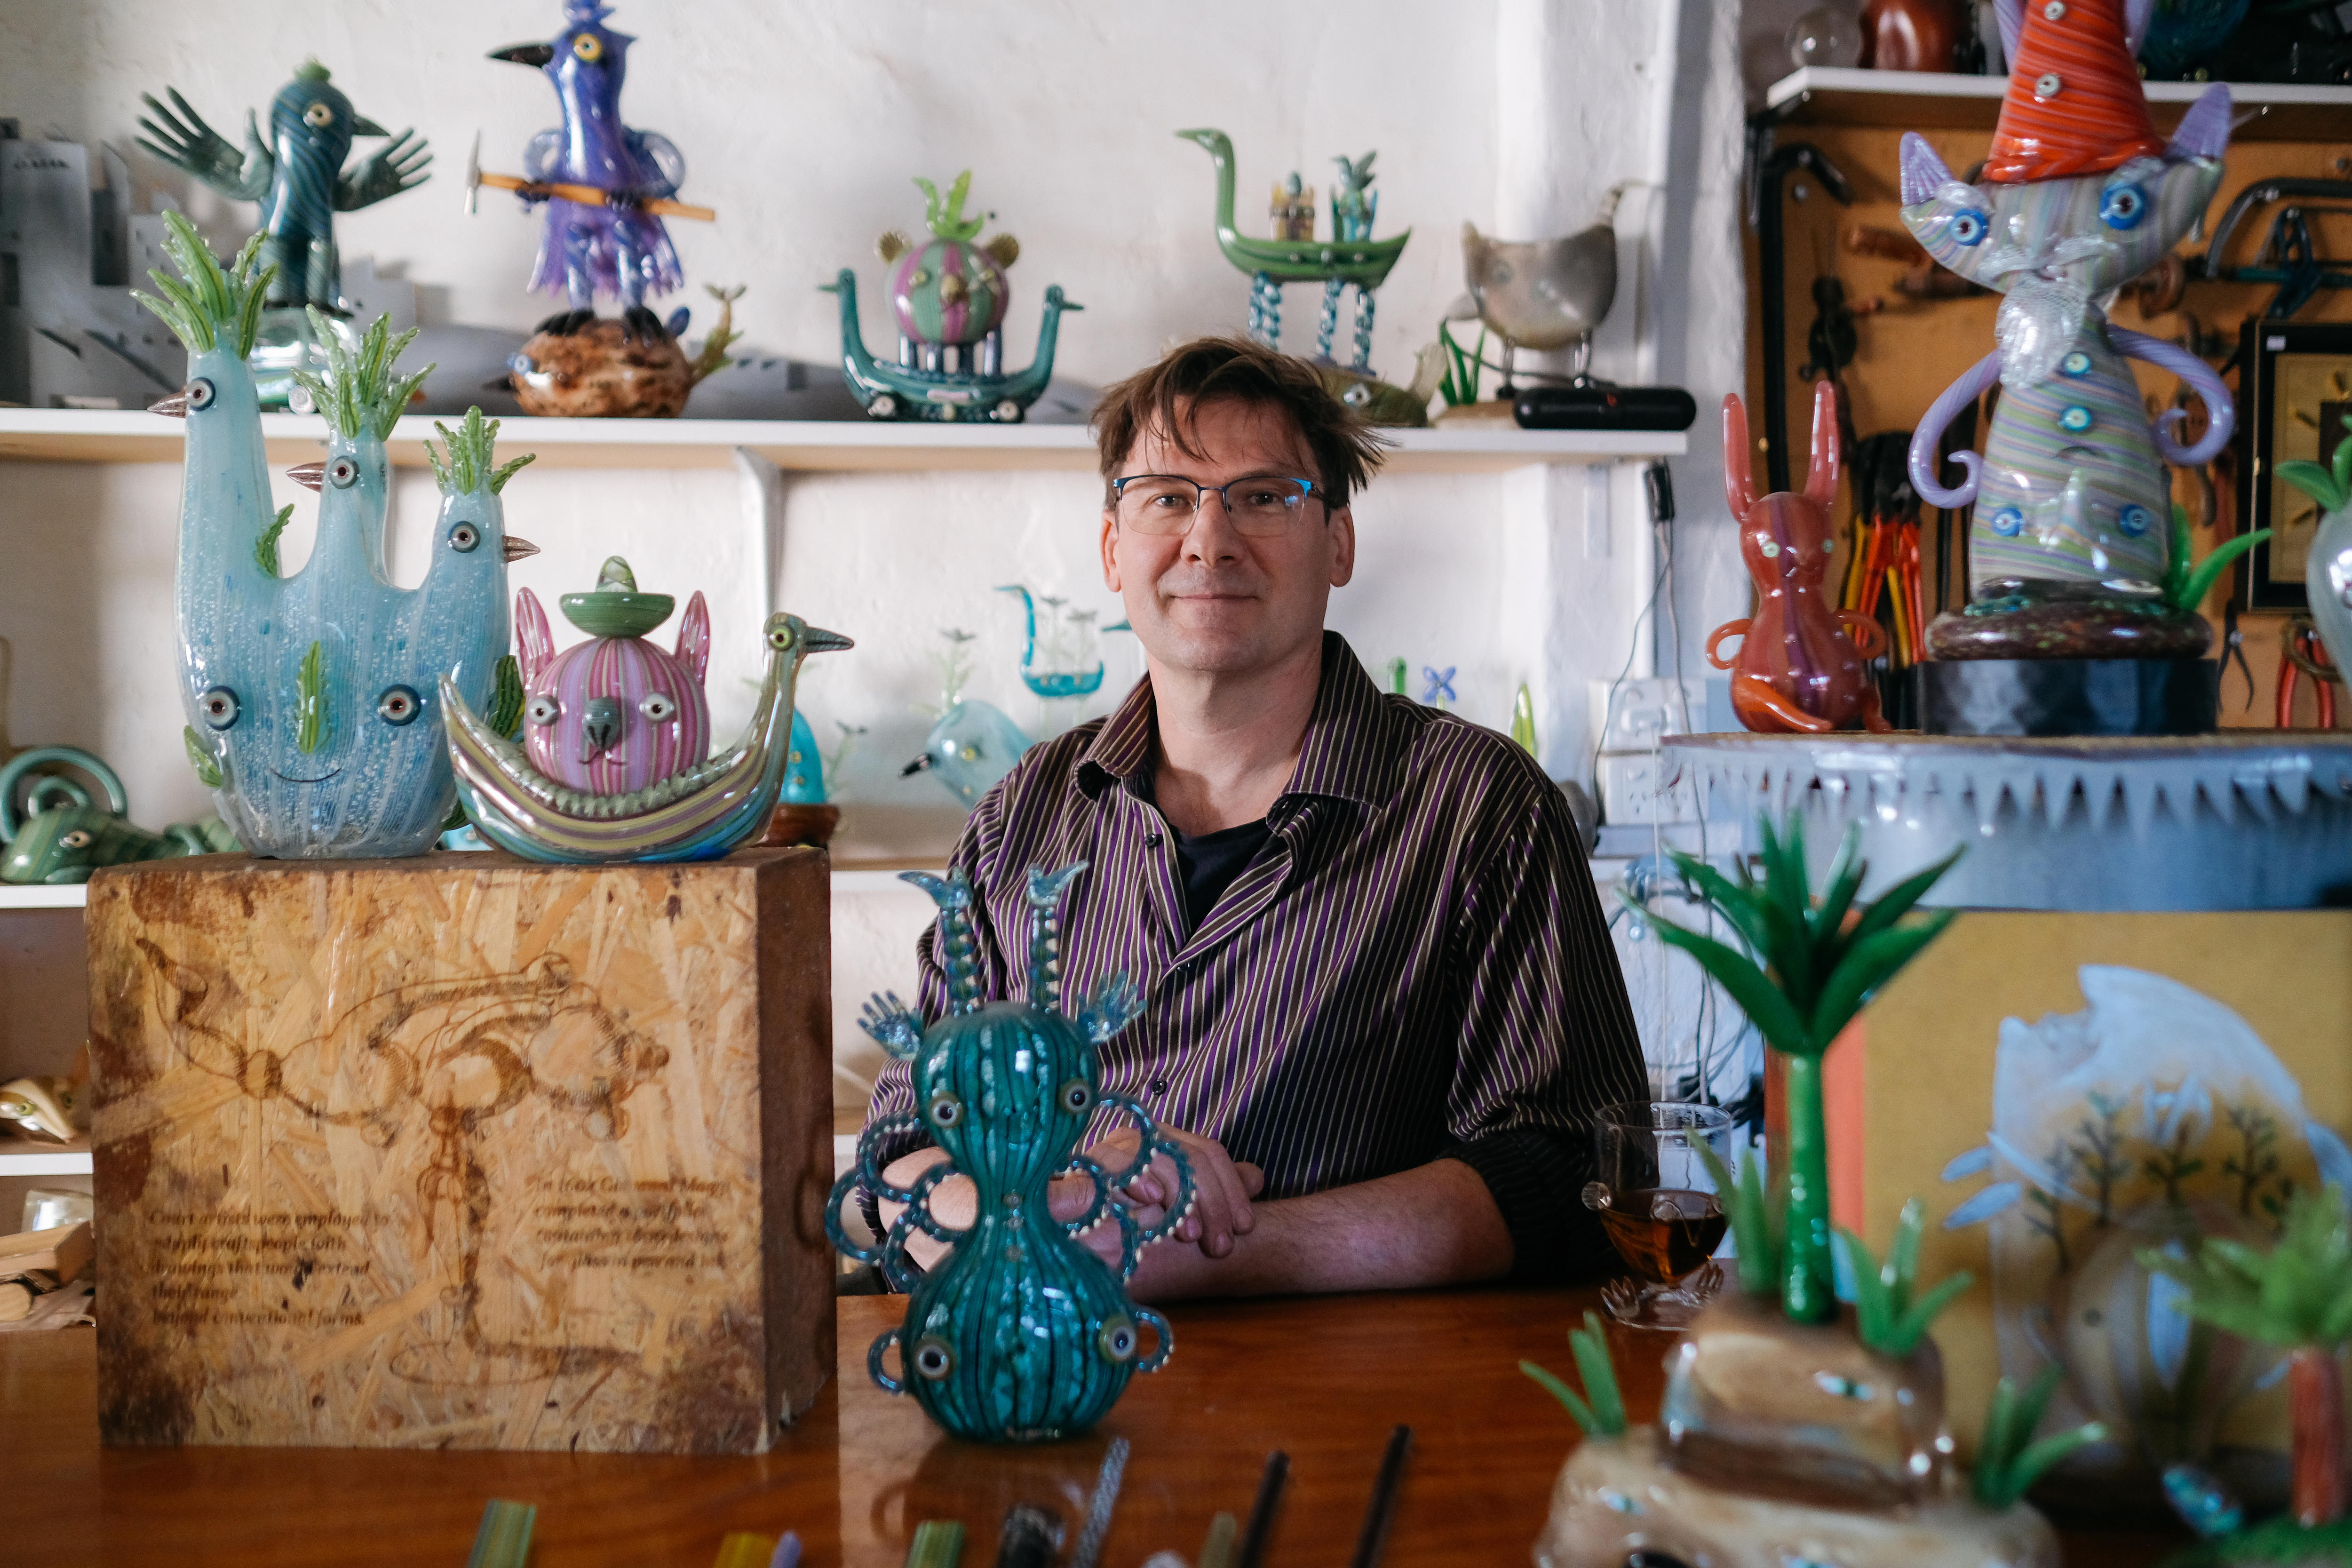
[(1663, 1233)]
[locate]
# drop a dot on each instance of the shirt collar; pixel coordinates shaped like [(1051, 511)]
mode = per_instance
[(1354, 748)]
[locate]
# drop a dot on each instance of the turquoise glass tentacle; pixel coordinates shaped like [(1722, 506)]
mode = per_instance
[(1020, 1331)]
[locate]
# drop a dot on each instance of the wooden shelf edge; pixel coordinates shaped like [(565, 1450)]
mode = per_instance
[(1905, 101), (73, 896)]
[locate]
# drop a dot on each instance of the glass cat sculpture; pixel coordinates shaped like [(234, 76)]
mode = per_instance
[(311, 698), (2071, 552), (1020, 1334), (698, 813), (615, 714)]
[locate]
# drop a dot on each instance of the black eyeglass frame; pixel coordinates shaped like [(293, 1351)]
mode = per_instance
[(1201, 492)]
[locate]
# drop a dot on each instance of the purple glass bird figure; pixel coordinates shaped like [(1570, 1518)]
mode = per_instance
[(616, 248)]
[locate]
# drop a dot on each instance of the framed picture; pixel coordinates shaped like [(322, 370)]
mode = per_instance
[(2300, 377)]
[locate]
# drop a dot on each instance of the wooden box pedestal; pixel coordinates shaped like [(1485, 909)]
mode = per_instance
[(462, 1151)]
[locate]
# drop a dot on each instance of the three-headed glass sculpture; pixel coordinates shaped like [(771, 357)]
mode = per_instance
[(313, 704), (1020, 1334)]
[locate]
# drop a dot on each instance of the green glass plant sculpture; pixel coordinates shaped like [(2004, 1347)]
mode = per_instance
[(2297, 1296), (1600, 1413), (2009, 1461), (1888, 1316), (1817, 961)]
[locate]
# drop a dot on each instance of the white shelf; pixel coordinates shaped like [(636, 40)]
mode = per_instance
[(1908, 100), (73, 896), (27, 1159), (851, 879), (134, 436)]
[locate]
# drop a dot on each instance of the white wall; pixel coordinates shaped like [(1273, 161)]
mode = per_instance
[(801, 123)]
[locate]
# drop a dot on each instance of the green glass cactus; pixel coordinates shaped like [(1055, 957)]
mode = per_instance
[(1602, 1411), (2009, 1461), (1817, 961), (1890, 1318)]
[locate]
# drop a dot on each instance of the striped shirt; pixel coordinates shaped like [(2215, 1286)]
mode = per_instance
[(1413, 967)]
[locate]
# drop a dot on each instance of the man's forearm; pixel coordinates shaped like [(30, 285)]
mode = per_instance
[(1436, 1225)]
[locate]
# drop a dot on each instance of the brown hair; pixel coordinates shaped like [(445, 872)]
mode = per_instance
[(1208, 370)]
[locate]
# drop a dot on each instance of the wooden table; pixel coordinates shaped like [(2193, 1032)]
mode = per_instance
[(1324, 1379)]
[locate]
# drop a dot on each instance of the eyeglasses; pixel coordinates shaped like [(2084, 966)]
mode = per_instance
[(1261, 506)]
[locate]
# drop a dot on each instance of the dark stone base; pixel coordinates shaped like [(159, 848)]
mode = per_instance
[(2069, 696), (2047, 618)]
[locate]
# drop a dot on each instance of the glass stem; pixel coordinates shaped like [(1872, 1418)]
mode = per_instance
[(1808, 1287)]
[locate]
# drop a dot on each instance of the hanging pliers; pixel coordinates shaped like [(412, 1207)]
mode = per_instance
[(2302, 653)]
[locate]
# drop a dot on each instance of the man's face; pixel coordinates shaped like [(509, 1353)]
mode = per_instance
[(1212, 599)]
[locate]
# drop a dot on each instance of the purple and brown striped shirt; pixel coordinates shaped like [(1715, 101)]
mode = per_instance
[(1413, 967)]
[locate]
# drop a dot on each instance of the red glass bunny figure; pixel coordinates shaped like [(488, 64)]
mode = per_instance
[(1799, 665)]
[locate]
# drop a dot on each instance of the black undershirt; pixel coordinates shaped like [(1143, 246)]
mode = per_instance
[(1210, 863)]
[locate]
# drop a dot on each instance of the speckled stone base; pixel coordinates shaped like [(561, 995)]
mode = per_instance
[(2043, 619)]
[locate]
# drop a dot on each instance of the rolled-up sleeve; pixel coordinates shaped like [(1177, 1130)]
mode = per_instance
[(1547, 1039)]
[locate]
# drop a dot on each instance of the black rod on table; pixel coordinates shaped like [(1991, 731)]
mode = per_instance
[(1261, 1519), (1384, 1503)]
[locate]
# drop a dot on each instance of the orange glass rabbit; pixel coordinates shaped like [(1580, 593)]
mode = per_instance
[(1799, 664)]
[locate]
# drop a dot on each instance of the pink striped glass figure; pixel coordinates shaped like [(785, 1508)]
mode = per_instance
[(615, 713)]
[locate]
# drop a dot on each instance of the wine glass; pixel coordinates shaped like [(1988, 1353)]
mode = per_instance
[(1659, 1205)]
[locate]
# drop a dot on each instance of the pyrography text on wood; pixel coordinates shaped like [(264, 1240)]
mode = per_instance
[(461, 1151)]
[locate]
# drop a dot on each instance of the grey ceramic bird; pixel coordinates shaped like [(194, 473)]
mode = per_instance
[(1544, 294)]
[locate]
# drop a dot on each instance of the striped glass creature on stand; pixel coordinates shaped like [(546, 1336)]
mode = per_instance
[(1020, 1334)]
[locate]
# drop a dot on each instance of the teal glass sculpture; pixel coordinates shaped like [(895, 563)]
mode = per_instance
[(297, 175), (313, 699), (973, 742), (1020, 1334), (63, 833)]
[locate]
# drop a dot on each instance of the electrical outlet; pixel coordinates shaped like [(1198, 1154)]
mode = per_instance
[(1641, 711), (1629, 790)]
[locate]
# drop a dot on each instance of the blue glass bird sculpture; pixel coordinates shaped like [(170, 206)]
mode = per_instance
[(313, 698), (615, 248), (297, 175), (1020, 1334)]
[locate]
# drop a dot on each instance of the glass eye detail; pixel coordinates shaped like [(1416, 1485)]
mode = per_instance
[(933, 1358), (2076, 364), (200, 395), (342, 473), (318, 116), (543, 711), (2133, 520), (398, 705), (1075, 1098), (219, 706), (658, 706), (2122, 206), (781, 638), (464, 538), (80, 838), (589, 48), (945, 1110), (2074, 419), (1117, 1341), (1968, 226), (2009, 522)]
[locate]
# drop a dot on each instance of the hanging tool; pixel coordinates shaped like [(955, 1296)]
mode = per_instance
[(2233, 649), (1768, 167), (2302, 653)]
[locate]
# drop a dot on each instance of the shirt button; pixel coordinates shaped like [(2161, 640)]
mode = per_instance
[(1151, 841), (1159, 1086)]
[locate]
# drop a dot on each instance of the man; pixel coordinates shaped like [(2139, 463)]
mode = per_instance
[(1381, 1002)]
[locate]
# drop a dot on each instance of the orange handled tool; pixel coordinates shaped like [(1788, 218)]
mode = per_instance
[(587, 195)]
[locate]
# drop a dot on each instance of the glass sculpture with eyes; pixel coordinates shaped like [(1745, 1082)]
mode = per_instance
[(311, 697), (1020, 1334), (615, 713), (2070, 493)]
